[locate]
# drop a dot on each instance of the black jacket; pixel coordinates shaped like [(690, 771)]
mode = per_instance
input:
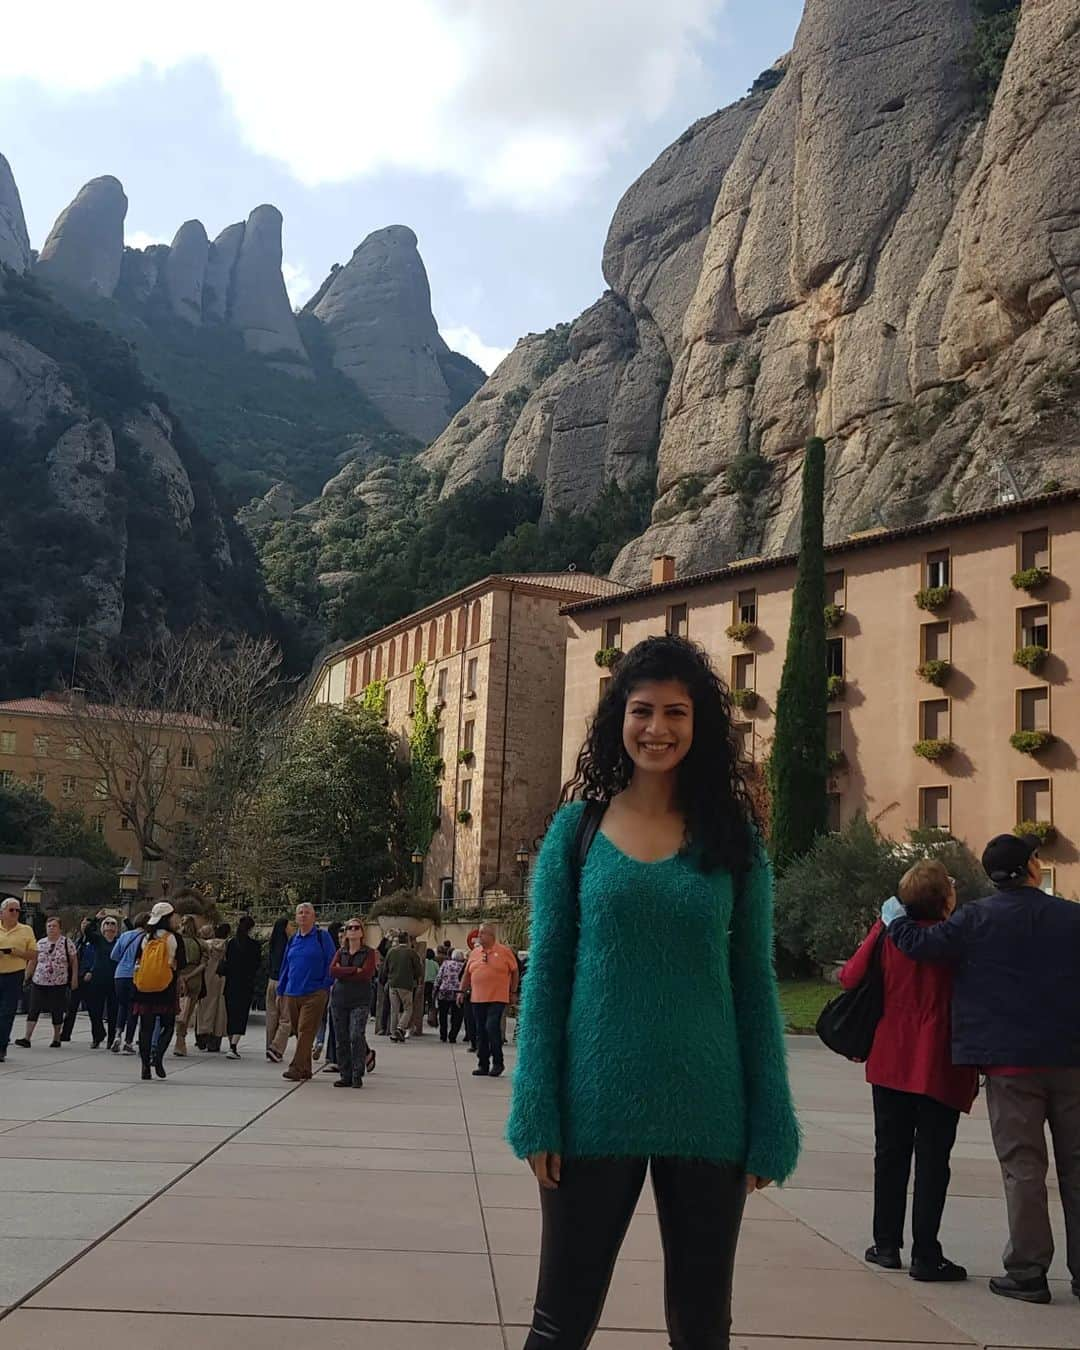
[(1016, 986)]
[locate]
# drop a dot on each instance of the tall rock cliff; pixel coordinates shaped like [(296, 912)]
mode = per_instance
[(376, 311), (859, 250), (258, 303), (85, 246), (14, 241)]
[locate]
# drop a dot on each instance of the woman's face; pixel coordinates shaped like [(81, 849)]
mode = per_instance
[(52, 929), (658, 725), (109, 928)]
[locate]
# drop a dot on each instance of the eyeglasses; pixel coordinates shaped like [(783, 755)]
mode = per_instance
[(352, 928)]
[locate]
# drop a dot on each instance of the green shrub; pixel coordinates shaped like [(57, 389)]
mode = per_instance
[(995, 28), (834, 615), (464, 817), (1031, 742), (1030, 657), (403, 904), (742, 631), (933, 749), (935, 672), (465, 756), (1041, 829), (834, 687), (933, 597), (835, 759), (1031, 578), (607, 658), (744, 698)]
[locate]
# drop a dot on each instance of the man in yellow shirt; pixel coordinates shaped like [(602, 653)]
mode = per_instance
[(491, 978), (18, 956)]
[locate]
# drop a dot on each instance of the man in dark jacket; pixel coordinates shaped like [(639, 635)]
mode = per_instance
[(1016, 1014)]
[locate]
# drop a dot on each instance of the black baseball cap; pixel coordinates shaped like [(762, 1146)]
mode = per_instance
[(1006, 857)]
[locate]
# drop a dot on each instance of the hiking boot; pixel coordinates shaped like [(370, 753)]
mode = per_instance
[(937, 1272), (146, 1073), (888, 1258), (1025, 1291), (159, 1068)]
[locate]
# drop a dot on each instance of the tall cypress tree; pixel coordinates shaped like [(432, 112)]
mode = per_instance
[(797, 765)]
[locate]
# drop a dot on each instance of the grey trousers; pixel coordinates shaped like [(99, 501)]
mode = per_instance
[(1020, 1107), (401, 1010)]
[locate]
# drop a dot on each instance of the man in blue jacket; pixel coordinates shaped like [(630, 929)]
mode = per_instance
[(1016, 1014), (304, 986)]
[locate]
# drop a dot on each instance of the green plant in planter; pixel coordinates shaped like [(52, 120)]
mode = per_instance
[(742, 632), (836, 759), (935, 672), (744, 698), (933, 748), (1031, 742), (1030, 657), (607, 658), (1041, 829), (933, 597), (834, 687), (405, 905), (1031, 578), (834, 615), (465, 756), (464, 817)]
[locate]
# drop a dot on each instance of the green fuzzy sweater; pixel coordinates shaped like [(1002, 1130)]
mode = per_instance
[(629, 1046)]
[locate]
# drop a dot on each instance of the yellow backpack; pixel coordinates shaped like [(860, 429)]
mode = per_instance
[(153, 974)]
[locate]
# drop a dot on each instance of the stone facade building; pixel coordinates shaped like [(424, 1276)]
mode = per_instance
[(945, 678), (494, 660)]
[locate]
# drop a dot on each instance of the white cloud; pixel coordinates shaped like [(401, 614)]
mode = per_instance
[(469, 343), (522, 102), (298, 283), (143, 239)]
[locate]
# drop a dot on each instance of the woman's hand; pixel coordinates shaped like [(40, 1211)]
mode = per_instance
[(547, 1168), (755, 1183)]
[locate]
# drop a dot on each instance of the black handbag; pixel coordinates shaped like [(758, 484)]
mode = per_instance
[(848, 1022)]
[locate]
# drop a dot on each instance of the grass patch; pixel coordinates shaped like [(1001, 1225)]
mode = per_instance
[(801, 1002)]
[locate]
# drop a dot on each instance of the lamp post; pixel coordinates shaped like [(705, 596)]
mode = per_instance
[(522, 856), (31, 895), (324, 864), (418, 868), (130, 877)]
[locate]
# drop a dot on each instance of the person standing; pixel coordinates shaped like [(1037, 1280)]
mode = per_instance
[(353, 968), (17, 956), (211, 1022), (125, 953), (447, 984), (405, 974), (156, 1000), (193, 956), (304, 985), (277, 1028), (382, 996), (243, 956), (918, 1094), (1015, 957), (608, 1084), (54, 973), (100, 994), (490, 980), (86, 947)]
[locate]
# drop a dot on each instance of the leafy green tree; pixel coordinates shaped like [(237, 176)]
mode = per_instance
[(30, 824), (797, 764)]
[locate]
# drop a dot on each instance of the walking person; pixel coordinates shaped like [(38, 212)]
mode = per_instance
[(304, 985), (405, 974), (125, 953), (211, 1022), (325, 1034), (431, 971), (447, 985), (86, 947), (1015, 958), (918, 1093), (278, 1029), (54, 974), (243, 957), (490, 979), (192, 982), (608, 1086), (382, 997), (156, 1000), (18, 948), (100, 995), (353, 968)]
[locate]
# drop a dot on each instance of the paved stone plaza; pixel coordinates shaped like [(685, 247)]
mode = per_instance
[(237, 1203)]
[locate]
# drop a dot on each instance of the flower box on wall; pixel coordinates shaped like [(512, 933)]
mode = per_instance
[(1043, 831), (933, 748), (607, 658), (834, 615), (466, 757), (1031, 578), (836, 759), (935, 672), (834, 687), (742, 632), (746, 699), (933, 597), (1031, 657), (464, 817), (1031, 742)]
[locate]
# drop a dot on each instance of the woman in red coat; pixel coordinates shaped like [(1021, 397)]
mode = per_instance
[(918, 1093)]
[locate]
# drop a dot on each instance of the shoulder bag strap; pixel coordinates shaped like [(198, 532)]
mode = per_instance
[(587, 826)]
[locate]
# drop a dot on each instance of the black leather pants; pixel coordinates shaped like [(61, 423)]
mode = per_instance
[(699, 1206)]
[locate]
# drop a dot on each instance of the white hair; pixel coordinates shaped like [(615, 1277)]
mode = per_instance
[(10, 900)]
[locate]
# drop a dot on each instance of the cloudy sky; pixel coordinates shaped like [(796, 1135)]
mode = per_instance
[(503, 131)]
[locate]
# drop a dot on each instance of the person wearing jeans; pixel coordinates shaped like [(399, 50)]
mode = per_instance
[(490, 979), (304, 986), (278, 1029), (353, 968), (918, 1094), (18, 953), (124, 956)]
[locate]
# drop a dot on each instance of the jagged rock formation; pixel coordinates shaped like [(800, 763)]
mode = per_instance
[(85, 246), (377, 313), (858, 252), (14, 241), (258, 304), (185, 271)]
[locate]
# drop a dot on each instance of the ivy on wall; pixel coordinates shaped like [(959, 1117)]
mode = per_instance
[(424, 766), (373, 697)]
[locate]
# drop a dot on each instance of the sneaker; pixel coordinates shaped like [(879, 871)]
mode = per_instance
[(294, 1077), (22, 1042), (495, 1072), (1026, 1291), (115, 1046), (317, 1052), (481, 1073), (57, 1045), (888, 1258), (937, 1272), (232, 1052), (129, 1049), (96, 1045), (273, 1056), (327, 1068), (342, 1082)]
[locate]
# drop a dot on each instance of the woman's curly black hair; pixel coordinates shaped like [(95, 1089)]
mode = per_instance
[(712, 791)]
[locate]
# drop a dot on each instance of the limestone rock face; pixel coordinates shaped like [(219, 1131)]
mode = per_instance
[(258, 302), (377, 313), (32, 388), (85, 246), (185, 271), (221, 259), (14, 241), (151, 430)]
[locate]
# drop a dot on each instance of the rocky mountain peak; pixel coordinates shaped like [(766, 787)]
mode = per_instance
[(185, 270), (258, 303), (14, 240), (86, 245)]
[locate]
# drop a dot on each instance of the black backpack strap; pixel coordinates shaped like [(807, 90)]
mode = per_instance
[(587, 826)]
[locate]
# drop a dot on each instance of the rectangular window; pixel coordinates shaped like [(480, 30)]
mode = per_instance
[(1033, 800), (834, 656), (934, 808), (37, 782), (462, 620), (7, 778), (447, 634), (41, 745), (1034, 549), (187, 757), (446, 890), (149, 869), (934, 719), (676, 620), (612, 633), (67, 786), (936, 642), (466, 794), (412, 697), (440, 743), (440, 685), (101, 789), (1046, 882), (836, 589), (833, 818), (746, 607), (7, 742), (470, 677), (742, 671), (98, 824), (1033, 709), (468, 740), (938, 570), (834, 732), (744, 732), (73, 750), (157, 757), (1033, 625)]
